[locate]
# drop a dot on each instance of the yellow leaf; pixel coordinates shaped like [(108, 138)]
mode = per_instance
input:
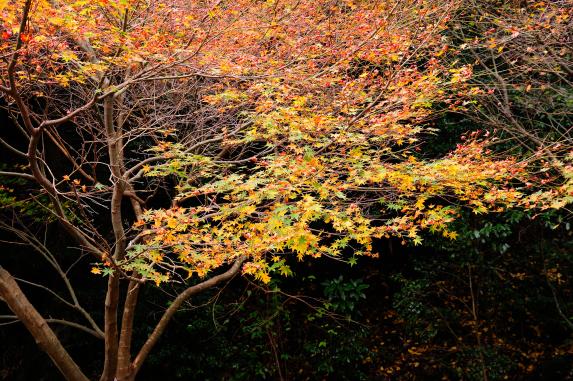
[(172, 223), (225, 67), (414, 352), (264, 277)]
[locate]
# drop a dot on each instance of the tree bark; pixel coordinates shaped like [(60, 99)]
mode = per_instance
[(110, 329), (112, 296), (38, 327), (124, 368)]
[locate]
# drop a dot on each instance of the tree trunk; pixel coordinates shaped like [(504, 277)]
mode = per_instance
[(110, 329), (124, 368), (38, 327)]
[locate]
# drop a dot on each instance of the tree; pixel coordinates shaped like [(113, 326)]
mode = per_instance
[(524, 65), (219, 138)]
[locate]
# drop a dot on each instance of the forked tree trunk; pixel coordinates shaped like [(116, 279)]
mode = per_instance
[(46, 339), (118, 363)]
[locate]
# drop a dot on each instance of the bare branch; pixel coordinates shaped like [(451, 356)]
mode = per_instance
[(172, 309), (38, 327)]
